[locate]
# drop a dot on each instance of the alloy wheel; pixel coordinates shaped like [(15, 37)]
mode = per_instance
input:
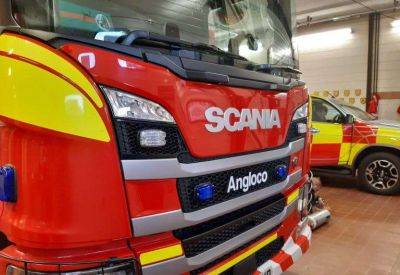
[(382, 174)]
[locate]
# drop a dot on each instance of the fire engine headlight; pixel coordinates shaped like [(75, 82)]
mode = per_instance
[(125, 105), (121, 269), (301, 112)]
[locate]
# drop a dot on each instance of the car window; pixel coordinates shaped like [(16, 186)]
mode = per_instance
[(323, 111)]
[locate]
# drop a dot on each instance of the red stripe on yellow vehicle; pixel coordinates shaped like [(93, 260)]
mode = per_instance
[(364, 133)]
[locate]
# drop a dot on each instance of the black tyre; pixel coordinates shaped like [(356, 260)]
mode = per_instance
[(379, 173)]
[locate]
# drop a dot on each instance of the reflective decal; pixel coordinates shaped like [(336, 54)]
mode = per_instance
[(16, 45), (43, 99), (234, 120)]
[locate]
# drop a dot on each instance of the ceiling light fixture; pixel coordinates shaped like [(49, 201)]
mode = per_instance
[(396, 24), (328, 39)]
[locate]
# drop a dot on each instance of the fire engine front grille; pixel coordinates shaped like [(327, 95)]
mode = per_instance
[(262, 255), (129, 143), (187, 186), (202, 237)]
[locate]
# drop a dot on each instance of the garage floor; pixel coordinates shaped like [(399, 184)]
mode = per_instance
[(363, 236)]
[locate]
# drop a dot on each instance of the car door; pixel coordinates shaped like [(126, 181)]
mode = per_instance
[(331, 142)]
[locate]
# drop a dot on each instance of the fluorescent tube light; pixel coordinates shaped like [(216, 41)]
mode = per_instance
[(326, 39), (396, 24)]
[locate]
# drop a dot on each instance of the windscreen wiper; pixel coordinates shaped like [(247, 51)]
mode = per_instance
[(268, 68), (135, 36)]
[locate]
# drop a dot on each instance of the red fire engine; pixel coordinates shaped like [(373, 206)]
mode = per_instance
[(151, 137)]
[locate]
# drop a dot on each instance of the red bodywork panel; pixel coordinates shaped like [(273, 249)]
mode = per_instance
[(71, 193), (66, 197), (187, 102), (364, 133), (149, 197), (62, 181)]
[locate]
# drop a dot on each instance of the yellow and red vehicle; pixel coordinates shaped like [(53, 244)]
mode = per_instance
[(350, 141), (149, 137)]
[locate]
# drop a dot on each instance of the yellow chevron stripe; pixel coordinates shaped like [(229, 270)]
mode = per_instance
[(19, 46), (243, 256), (32, 95), (161, 254), (293, 196)]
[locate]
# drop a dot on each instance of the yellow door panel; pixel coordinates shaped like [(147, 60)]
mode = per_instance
[(329, 133)]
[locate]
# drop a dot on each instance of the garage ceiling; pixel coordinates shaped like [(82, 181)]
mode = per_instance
[(328, 9)]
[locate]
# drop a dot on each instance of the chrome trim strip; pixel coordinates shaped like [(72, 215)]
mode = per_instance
[(172, 168), (182, 264), (177, 219)]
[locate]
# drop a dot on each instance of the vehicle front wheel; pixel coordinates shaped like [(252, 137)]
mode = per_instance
[(379, 173)]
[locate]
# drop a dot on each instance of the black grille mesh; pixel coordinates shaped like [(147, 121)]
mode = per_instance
[(200, 238), (187, 186), (269, 251), (262, 256), (129, 143)]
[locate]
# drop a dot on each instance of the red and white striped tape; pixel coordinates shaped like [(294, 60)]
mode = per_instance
[(290, 253)]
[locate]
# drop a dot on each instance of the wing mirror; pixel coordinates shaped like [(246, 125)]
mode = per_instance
[(349, 119)]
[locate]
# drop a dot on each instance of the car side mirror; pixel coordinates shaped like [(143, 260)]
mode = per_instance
[(349, 119)]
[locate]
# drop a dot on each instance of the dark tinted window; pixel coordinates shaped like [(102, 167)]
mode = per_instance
[(323, 111)]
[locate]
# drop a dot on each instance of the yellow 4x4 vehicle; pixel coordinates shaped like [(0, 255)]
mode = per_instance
[(347, 139)]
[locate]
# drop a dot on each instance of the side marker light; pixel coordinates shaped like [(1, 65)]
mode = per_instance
[(153, 138), (205, 192), (281, 172), (8, 184)]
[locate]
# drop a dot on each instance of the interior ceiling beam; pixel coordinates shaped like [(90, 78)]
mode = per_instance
[(325, 7), (343, 9)]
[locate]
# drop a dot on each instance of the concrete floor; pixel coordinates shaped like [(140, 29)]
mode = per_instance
[(363, 236)]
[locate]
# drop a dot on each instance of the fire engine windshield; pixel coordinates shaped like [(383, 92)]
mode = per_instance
[(258, 30)]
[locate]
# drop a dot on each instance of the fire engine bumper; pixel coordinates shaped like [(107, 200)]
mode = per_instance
[(296, 244), (292, 250)]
